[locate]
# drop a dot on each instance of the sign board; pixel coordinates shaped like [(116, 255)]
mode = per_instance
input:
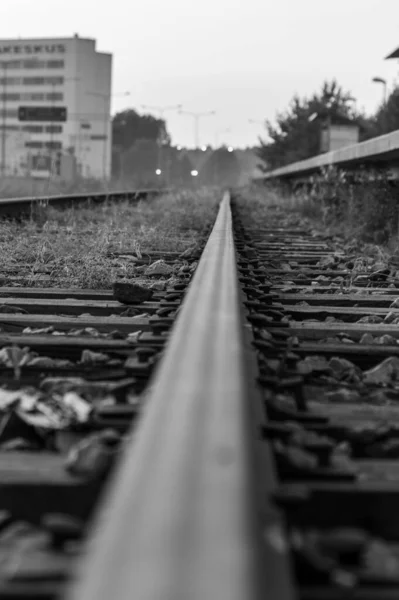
[(41, 163), (32, 49), (42, 113)]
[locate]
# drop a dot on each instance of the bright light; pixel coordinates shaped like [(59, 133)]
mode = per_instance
[(178, 147), (194, 173), (230, 149), (203, 148), (158, 171)]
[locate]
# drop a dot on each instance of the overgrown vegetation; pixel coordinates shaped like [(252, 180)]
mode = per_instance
[(363, 205), (76, 247)]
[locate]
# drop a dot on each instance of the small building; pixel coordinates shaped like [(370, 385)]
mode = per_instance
[(338, 131), (63, 87)]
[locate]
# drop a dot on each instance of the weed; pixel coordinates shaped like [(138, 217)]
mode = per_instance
[(77, 246)]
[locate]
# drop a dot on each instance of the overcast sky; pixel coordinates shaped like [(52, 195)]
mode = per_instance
[(242, 58)]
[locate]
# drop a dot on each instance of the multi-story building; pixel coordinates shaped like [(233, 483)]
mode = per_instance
[(55, 73)]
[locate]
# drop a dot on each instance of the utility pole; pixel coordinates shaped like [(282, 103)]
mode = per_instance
[(196, 116)]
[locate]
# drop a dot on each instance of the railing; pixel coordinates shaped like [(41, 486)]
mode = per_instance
[(382, 150), (177, 522)]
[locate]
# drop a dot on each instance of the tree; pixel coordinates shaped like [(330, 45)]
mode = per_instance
[(129, 126), (139, 162), (138, 165), (386, 118), (221, 168), (180, 168), (296, 135)]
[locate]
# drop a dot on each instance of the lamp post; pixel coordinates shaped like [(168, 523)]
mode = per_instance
[(197, 116), (384, 84), (106, 98)]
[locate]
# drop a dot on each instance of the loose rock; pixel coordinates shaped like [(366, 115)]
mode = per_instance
[(383, 373), (159, 267), (131, 293)]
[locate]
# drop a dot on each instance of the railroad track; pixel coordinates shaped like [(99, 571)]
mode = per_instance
[(20, 207), (326, 336), (254, 438)]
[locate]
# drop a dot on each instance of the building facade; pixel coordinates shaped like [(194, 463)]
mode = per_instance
[(38, 77)]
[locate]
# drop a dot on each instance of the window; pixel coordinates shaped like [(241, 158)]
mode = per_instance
[(55, 96), (33, 144), (34, 97), (43, 80), (10, 81), (13, 64), (33, 64), (11, 113), (54, 80), (85, 126), (33, 81), (33, 128), (55, 64), (54, 129), (53, 145), (10, 96), (98, 137)]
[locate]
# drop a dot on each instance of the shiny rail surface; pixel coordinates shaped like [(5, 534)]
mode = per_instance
[(177, 522)]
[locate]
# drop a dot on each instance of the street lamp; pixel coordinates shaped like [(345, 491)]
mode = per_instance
[(196, 116), (384, 83), (161, 109), (106, 98)]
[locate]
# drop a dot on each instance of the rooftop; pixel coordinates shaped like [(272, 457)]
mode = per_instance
[(395, 54)]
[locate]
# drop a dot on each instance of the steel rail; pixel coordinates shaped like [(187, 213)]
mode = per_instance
[(17, 206), (82, 196), (177, 521)]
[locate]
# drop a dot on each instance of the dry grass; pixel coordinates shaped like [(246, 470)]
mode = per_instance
[(260, 205), (365, 214), (75, 246)]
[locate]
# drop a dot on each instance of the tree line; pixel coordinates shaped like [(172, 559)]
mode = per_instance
[(295, 134), (142, 155)]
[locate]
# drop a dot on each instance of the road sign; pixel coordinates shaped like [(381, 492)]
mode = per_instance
[(42, 113)]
